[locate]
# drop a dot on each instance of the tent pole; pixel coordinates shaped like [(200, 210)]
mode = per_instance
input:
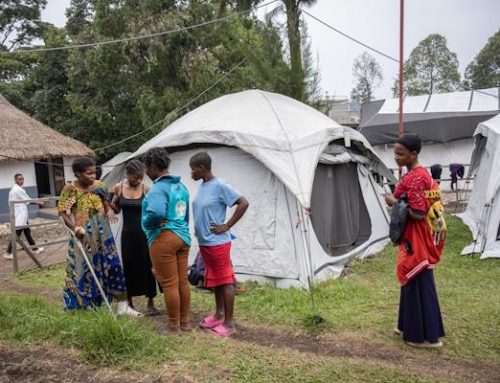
[(401, 65)]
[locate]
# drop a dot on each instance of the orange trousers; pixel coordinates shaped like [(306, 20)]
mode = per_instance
[(169, 256)]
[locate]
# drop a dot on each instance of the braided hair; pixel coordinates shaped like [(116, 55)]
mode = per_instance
[(135, 167)]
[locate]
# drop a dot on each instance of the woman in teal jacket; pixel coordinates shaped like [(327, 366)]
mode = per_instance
[(165, 219)]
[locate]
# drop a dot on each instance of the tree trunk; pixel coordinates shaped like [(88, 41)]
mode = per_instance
[(294, 42)]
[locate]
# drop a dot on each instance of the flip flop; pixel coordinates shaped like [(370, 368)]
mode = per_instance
[(211, 321), (222, 330)]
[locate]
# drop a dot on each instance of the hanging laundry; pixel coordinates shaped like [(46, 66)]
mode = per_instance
[(436, 171), (456, 170)]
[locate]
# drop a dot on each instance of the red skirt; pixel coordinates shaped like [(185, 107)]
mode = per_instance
[(218, 268)]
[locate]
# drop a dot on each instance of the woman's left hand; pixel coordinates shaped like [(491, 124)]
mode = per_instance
[(390, 199), (220, 229)]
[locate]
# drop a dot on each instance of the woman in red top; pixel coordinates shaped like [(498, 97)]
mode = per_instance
[(420, 321)]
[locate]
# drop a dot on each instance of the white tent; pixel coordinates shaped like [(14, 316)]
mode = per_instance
[(482, 214), (109, 165), (313, 202)]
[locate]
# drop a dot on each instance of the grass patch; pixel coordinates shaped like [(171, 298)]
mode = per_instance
[(367, 301), (199, 356), (28, 319), (51, 277), (364, 303)]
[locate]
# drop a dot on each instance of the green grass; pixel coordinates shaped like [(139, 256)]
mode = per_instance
[(133, 344), (364, 303), (367, 302), (49, 277), (28, 319)]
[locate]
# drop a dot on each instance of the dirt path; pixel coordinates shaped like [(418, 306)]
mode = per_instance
[(425, 363), (25, 365), (351, 346)]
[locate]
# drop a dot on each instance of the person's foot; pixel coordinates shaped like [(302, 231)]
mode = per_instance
[(211, 321), (38, 250), (398, 331), (186, 327), (124, 309), (222, 330), (8, 256), (425, 344)]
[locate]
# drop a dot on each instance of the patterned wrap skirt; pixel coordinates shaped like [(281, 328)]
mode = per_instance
[(81, 290)]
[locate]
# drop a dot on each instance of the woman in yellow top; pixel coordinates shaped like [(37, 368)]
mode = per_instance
[(83, 206)]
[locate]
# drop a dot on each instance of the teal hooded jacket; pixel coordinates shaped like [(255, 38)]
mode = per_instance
[(166, 207)]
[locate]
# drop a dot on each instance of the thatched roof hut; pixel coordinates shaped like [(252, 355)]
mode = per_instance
[(24, 138)]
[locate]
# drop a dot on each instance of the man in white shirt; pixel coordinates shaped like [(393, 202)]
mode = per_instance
[(17, 193)]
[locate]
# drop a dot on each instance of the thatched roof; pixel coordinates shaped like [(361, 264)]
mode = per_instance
[(24, 138)]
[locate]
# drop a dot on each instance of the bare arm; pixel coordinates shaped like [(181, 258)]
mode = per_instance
[(242, 203), (114, 202)]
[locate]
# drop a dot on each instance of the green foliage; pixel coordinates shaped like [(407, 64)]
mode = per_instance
[(484, 70), (20, 22), (368, 74), (104, 94), (431, 68)]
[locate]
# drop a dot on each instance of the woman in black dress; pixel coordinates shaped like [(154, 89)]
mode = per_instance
[(128, 196)]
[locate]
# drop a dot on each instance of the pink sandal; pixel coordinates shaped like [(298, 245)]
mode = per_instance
[(222, 330), (211, 321)]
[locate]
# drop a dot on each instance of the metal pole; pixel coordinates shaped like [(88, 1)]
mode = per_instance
[(401, 65), (13, 235)]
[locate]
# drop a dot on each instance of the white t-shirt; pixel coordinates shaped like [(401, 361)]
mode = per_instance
[(17, 193)]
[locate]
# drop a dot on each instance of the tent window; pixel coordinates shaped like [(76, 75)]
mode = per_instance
[(339, 213)]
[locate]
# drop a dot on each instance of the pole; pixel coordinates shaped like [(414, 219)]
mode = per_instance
[(13, 235), (401, 65)]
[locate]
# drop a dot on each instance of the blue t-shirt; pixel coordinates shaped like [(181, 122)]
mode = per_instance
[(166, 207), (210, 207)]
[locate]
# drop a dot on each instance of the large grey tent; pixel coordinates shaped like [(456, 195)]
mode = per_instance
[(314, 204), (482, 214), (445, 122)]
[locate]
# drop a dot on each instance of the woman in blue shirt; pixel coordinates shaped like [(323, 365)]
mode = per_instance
[(165, 218), (210, 206)]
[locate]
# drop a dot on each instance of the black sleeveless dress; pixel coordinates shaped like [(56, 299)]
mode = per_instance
[(135, 252)]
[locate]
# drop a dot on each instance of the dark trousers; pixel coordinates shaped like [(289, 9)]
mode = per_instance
[(27, 233), (419, 313)]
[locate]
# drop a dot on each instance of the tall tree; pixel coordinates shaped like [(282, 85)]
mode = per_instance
[(431, 68), (20, 24), (484, 70), (119, 90), (291, 8), (368, 74), (78, 17)]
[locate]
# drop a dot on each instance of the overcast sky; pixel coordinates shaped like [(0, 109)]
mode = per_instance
[(466, 24)]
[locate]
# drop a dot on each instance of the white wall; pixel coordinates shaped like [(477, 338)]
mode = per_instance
[(68, 171), (8, 169)]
